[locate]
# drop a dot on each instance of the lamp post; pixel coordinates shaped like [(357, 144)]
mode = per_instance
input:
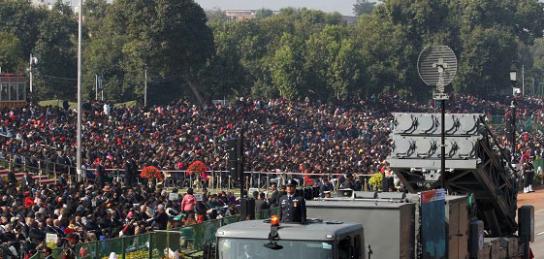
[(441, 96), (515, 92), (33, 61), (145, 85), (78, 129)]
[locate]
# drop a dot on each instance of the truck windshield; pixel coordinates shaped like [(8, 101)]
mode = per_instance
[(231, 248)]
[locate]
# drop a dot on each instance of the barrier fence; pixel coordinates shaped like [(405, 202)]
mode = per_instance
[(189, 241), (192, 241)]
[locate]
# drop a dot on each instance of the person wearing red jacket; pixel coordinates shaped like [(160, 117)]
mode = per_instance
[(188, 205)]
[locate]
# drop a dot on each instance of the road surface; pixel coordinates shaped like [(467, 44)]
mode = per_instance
[(536, 199)]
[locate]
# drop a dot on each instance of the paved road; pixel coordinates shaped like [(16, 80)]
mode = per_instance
[(536, 199)]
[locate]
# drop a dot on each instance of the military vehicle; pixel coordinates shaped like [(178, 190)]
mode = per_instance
[(482, 226), (317, 239)]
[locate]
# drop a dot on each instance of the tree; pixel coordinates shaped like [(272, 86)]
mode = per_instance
[(22, 20), (11, 53), (333, 65), (56, 52), (263, 13), (389, 61), (345, 70), (170, 37), (182, 42), (287, 67), (481, 70), (225, 75), (529, 20), (362, 7), (537, 69)]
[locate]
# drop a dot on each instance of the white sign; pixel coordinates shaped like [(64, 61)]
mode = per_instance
[(51, 240), (173, 196)]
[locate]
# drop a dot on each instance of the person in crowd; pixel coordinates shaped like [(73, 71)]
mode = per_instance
[(160, 218), (188, 204), (100, 174), (200, 211), (326, 138), (261, 206), (349, 182), (387, 180), (131, 172), (12, 180), (28, 181), (326, 186), (528, 175), (274, 195)]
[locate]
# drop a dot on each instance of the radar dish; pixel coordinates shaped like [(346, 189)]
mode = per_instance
[(437, 66)]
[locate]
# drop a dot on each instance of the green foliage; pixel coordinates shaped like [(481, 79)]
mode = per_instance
[(56, 52), (263, 13), (19, 18), (375, 181), (294, 53), (362, 7), (481, 70), (11, 53), (287, 67)]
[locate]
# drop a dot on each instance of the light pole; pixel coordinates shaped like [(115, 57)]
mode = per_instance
[(145, 85), (441, 96), (78, 131), (515, 92), (32, 61)]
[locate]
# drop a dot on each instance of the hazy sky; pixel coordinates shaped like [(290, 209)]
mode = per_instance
[(344, 7)]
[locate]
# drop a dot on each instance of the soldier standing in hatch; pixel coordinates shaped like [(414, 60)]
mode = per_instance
[(292, 206)]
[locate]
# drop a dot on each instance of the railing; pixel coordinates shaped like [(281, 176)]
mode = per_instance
[(219, 179), (189, 241)]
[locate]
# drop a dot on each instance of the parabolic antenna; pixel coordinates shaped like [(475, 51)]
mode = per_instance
[(437, 66)]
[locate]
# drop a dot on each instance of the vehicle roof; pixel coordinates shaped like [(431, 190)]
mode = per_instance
[(354, 203), (315, 231)]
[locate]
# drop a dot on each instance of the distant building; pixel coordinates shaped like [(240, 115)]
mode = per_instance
[(241, 15), (13, 89)]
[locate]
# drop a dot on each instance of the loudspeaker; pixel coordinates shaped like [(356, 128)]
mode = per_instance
[(235, 161), (247, 209)]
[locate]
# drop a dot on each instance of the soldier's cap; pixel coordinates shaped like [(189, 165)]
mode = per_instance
[(291, 182)]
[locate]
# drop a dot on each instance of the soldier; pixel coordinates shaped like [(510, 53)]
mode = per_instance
[(529, 173), (292, 205)]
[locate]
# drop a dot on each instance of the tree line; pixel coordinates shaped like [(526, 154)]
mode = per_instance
[(294, 53)]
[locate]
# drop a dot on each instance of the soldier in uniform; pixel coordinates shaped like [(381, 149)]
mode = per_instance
[(292, 205), (529, 173)]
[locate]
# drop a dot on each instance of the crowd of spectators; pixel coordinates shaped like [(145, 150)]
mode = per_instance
[(85, 213), (280, 135), (349, 137)]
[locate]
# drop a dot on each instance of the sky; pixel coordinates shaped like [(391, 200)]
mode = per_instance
[(344, 7)]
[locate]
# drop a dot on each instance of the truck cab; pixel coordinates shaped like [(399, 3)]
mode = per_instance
[(317, 239)]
